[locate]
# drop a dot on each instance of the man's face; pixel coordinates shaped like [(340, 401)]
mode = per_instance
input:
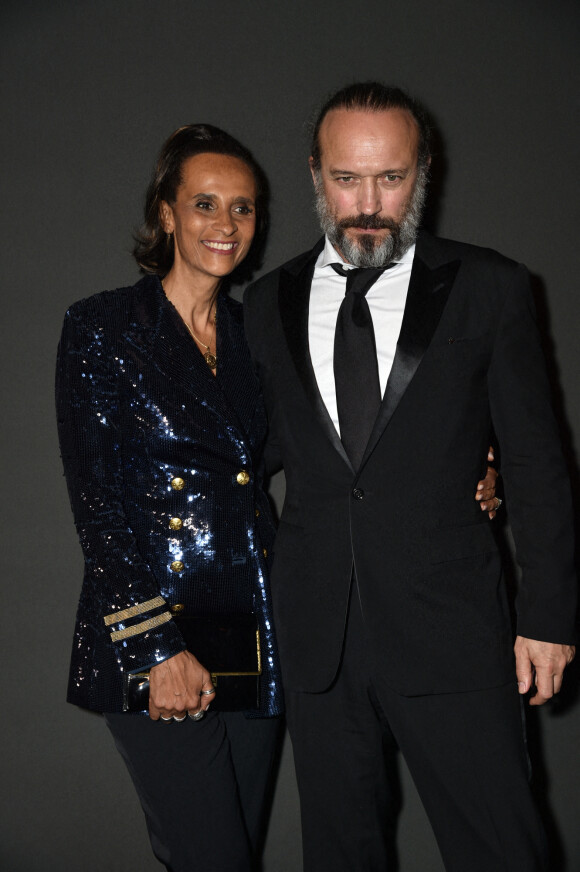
[(369, 190)]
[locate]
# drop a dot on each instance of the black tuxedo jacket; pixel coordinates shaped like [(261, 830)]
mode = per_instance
[(468, 369)]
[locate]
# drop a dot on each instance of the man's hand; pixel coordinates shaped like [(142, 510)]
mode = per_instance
[(175, 687), (547, 660), (485, 493)]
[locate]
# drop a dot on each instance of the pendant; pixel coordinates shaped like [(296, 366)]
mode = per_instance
[(210, 359)]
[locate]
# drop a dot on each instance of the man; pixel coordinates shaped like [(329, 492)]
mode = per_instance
[(392, 620)]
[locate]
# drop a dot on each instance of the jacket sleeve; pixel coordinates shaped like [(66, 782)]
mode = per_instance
[(536, 482), (120, 591)]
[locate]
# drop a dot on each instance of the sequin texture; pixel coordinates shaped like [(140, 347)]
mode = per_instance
[(138, 409)]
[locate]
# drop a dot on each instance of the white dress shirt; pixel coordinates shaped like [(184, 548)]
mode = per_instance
[(386, 299)]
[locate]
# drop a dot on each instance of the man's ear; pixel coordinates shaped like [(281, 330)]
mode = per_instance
[(312, 170)]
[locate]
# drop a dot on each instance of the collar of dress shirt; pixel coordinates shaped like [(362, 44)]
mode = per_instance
[(330, 255)]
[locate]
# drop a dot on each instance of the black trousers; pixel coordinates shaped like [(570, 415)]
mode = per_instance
[(202, 785), (466, 753)]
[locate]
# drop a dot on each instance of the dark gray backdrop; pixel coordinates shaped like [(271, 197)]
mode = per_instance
[(89, 92)]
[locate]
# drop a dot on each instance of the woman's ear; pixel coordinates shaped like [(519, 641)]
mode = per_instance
[(166, 217)]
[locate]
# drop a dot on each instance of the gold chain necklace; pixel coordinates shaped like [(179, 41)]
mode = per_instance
[(209, 358)]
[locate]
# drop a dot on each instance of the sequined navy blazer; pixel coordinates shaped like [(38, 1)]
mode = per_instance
[(162, 462)]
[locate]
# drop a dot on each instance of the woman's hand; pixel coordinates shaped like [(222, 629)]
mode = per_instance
[(175, 688), (485, 493)]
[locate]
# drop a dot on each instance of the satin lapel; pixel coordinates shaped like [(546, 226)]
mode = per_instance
[(160, 333), (294, 300), (428, 293)]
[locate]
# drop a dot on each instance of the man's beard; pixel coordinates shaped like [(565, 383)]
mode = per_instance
[(366, 250)]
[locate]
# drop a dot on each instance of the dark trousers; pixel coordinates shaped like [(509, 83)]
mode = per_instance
[(202, 785), (465, 751)]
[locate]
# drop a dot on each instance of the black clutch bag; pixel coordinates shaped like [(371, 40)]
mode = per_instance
[(229, 648)]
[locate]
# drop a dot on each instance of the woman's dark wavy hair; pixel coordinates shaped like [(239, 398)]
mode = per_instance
[(153, 249), (374, 97)]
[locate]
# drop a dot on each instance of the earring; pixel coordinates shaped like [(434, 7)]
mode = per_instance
[(168, 238)]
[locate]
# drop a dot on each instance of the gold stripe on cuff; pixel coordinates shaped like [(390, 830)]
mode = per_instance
[(134, 610), (142, 627)]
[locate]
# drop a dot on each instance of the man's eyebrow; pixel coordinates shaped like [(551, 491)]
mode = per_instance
[(404, 171)]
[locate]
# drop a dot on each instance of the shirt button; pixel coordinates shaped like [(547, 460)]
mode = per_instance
[(177, 483), (358, 493), (175, 524), (177, 566), (242, 477)]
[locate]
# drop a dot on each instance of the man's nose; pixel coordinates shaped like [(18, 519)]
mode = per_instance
[(369, 197)]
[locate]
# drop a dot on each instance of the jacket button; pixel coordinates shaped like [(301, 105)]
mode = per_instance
[(176, 609), (358, 493), (175, 524), (177, 566), (177, 483), (265, 552), (257, 513), (242, 477)]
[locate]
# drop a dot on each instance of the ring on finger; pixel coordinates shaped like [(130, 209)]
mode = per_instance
[(166, 720), (197, 716), (499, 502), (179, 720), (204, 692)]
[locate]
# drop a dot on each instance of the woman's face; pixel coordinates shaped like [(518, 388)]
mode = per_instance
[(213, 218)]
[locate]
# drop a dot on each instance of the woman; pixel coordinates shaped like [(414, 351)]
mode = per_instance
[(161, 427)]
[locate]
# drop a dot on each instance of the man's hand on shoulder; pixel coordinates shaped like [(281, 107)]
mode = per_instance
[(547, 660)]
